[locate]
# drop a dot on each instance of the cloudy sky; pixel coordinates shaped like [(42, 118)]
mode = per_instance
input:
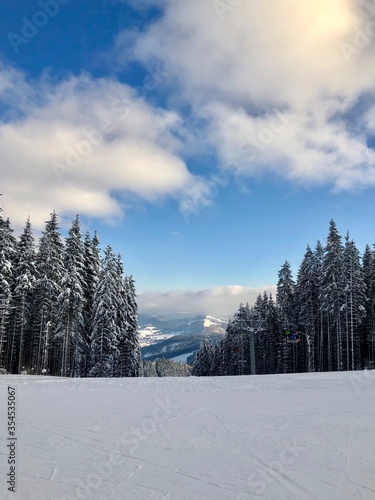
[(207, 140)]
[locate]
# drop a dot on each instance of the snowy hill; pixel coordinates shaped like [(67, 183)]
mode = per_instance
[(153, 329), (284, 437), (177, 338)]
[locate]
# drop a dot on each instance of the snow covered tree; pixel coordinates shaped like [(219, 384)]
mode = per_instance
[(203, 360), (70, 304), (286, 302), (168, 368), (263, 341), (320, 325), (7, 250), (124, 347), (332, 296), (285, 295), (50, 269), (216, 359), (368, 266), (149, 368), (62, 307), (307, 292), (104, 338), (235, 350), (131, 354), (24, 283), (91, 270), (355, 304), (269, 343)]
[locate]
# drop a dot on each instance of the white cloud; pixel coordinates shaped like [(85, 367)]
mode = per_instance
[(311, 62), (72, 145), (220, 300), (270, 86)]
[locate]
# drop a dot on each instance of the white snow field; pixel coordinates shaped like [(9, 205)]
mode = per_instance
[(303, 436)]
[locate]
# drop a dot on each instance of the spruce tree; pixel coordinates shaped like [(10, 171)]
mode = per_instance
[(7, 253), (235, 353), (307, 292), (91, 270), (25, 275), (368, 265), (273, 337), (104, 338), (132, 352), (70, 305), (320, 323), (202, 366), (45, 351), (216, 360), (355, 304), (124, 348), (285, 297), (332, 296)]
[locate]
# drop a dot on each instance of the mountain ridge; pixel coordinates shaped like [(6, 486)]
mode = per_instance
[(177, 337)]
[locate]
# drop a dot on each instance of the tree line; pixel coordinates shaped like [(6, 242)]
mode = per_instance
[(330, 307), (65, 309), (164, 367)]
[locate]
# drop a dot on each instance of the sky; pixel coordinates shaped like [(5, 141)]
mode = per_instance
[(207, 141)]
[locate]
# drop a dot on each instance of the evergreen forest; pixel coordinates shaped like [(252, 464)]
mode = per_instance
[(65, 309), (329, 309)]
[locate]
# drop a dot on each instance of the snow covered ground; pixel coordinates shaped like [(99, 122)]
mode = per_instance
[(150, 335), (305, 436)]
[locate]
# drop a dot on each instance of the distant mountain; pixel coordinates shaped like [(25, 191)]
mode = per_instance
[(177, 338)]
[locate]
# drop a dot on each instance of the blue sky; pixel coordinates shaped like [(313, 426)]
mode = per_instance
[(207, 141)]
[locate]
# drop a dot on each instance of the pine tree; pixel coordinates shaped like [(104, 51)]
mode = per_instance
[(202, 366), (273, 338), (241, 326), (235, 351), (332, 296), (25, 275), (320, 338), (124, 348), (91, 270), (45, 349), (285, 295), (132, 352), (104, 338), (355, 302), (149, 368), (168, 368), (70, 304), (216, 360), (7, 253), (62, 305), (286, 302), (226, 354), (263, 342), (307, 292), (369, 320)]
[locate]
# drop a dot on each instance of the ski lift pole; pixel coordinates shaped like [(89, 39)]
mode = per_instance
[(253, 370), (250, 332), (255, 327)]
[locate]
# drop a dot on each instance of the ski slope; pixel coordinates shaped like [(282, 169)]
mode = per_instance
[(303, 436)]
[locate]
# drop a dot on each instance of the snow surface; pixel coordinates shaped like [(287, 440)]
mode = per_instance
[(149, 335), (303, 436), (214, 321)]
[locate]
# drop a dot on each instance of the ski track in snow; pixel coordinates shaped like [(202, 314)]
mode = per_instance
[(284, 437)]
